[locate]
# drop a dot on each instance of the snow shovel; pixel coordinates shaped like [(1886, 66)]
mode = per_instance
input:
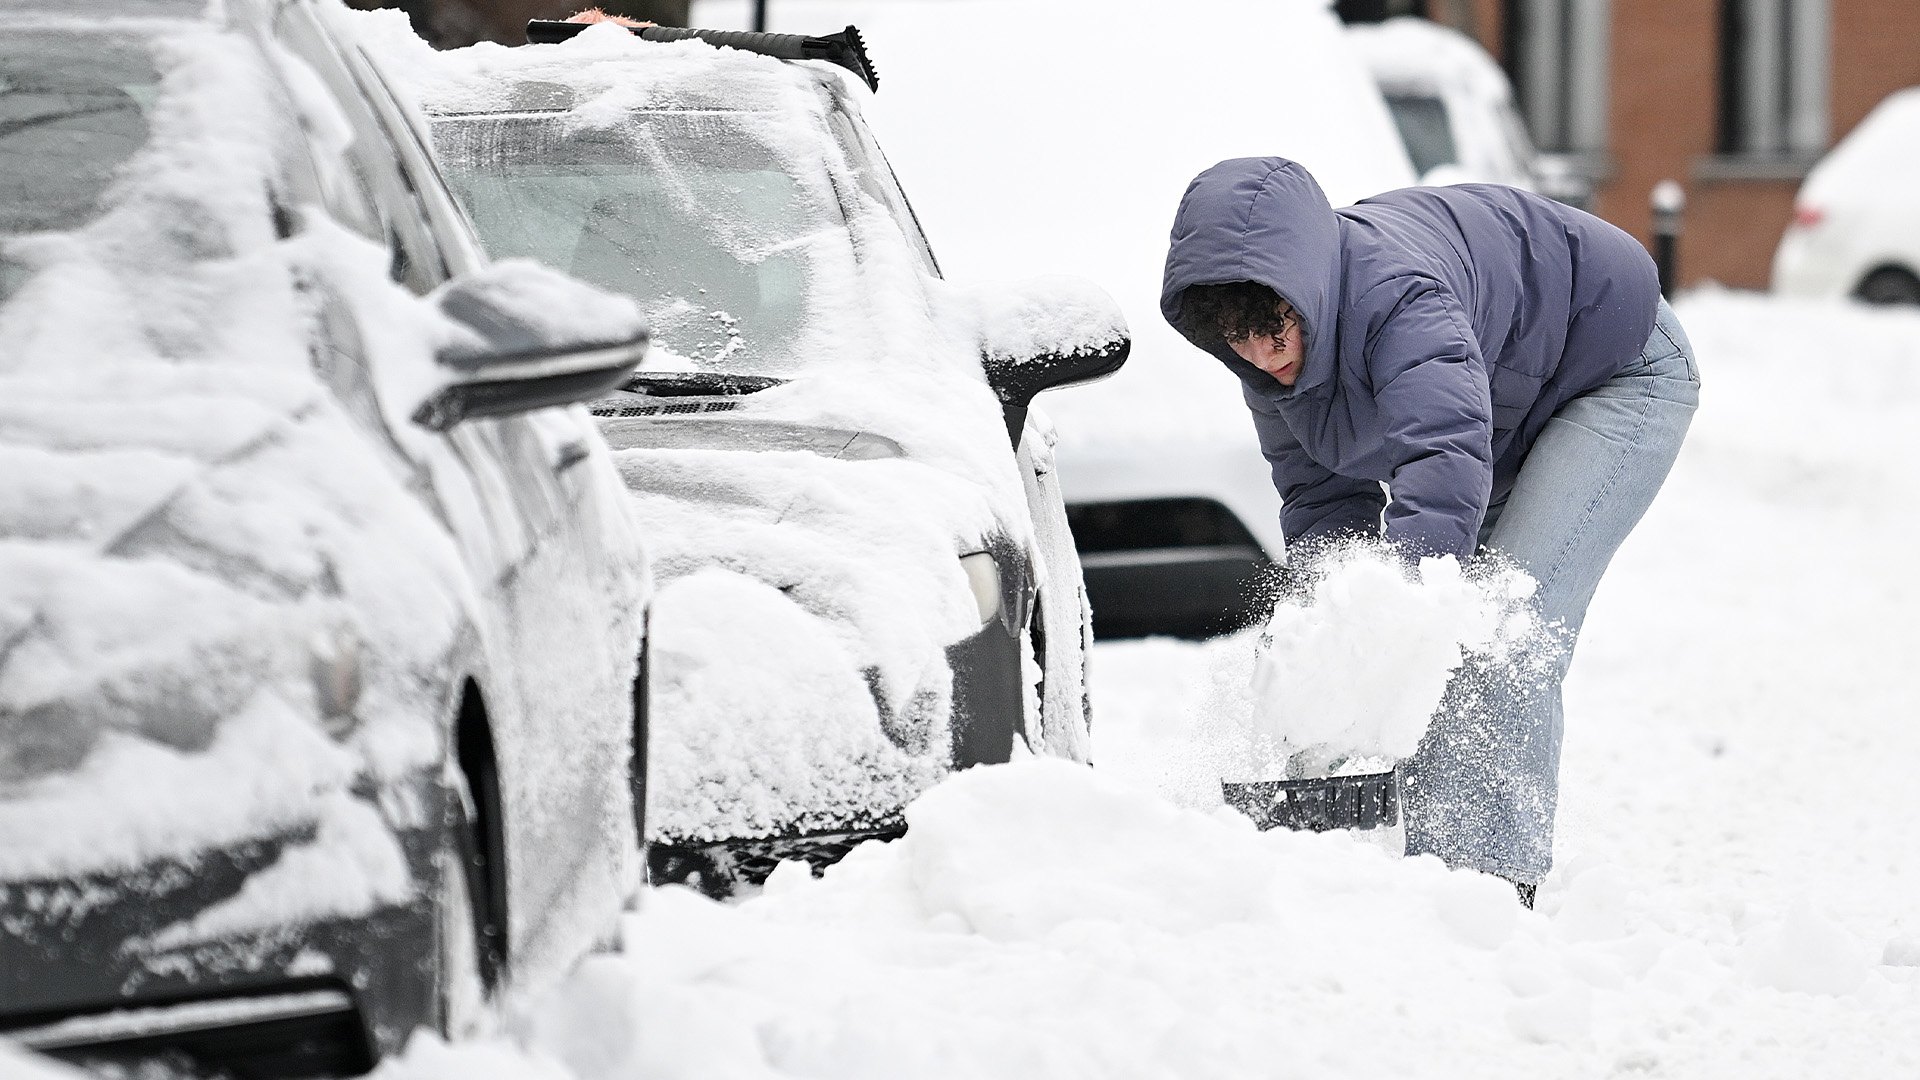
[(1317, 804)]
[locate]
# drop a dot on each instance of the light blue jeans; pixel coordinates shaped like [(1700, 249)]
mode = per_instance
[(1481, 790)]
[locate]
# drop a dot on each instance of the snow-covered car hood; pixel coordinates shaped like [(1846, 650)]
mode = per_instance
[(216, 588), (811, 587)]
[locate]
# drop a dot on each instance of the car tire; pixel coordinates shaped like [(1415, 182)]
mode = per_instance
[(1889, 285)]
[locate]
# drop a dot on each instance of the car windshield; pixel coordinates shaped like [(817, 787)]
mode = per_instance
[(705, 217), (72, 110), (1422, 120)]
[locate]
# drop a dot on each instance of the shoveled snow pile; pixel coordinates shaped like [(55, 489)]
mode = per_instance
[(1356, 669), (1042, 920)]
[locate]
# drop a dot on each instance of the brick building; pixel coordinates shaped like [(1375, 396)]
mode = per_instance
[(1734, 99)]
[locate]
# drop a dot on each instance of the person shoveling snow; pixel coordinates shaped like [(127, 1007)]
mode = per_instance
[(1505, 366)]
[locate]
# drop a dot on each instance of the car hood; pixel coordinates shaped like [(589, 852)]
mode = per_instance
[(810, 587)]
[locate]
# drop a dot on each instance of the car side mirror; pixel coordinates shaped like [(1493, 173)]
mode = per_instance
[(1046, 333), (521, 336)]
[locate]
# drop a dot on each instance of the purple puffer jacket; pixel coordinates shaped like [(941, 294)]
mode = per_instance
[(1443, 327)]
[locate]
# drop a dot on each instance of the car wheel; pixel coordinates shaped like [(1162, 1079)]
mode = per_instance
[(1889, 285)]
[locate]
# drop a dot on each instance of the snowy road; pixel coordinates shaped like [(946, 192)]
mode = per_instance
[(1736, 890)]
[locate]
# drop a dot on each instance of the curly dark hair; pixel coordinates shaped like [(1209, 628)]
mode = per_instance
[(1233, 312)]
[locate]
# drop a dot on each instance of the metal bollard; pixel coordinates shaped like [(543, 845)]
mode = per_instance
[(1669, 202)]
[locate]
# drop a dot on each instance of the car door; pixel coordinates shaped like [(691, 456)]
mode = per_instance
[(576, 602), (547, 559)]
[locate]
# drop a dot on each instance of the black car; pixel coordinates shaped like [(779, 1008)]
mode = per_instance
[(866, 574), (320, 614)]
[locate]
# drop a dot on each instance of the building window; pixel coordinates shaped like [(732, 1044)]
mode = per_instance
[(1556, 53), (1773, 78)]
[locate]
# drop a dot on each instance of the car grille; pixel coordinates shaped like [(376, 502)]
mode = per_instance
[(667, 408)]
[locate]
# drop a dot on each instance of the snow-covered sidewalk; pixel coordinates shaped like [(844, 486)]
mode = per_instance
[(1736, 893)]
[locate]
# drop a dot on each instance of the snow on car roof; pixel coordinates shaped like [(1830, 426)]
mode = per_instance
[(1413, 53), (1878, 159), (596, 70)]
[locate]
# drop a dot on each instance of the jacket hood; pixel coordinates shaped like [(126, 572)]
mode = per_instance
[(1263, 220)]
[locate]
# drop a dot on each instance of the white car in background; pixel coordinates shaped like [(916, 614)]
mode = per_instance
[(1064, 147), (1450, 101), (1856, 221)]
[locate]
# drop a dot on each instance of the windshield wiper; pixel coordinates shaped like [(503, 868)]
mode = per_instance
[(696, 383)]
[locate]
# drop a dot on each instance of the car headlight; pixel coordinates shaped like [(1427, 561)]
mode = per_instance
[(983, 577)]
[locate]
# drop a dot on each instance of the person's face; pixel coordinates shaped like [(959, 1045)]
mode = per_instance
[(1279, 355)]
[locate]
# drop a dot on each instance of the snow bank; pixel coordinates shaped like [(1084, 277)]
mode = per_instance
[(1040, 919), (1357, 670)]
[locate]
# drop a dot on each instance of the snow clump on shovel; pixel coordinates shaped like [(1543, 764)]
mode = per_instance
[(1357, 671)]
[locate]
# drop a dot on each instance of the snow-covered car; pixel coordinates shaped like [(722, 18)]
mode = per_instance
[(319, 625), (866, 575), (1856, 221), (1452, 104)]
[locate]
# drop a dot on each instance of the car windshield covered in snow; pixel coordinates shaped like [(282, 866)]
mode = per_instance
[(729, 226), (72, 111)]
